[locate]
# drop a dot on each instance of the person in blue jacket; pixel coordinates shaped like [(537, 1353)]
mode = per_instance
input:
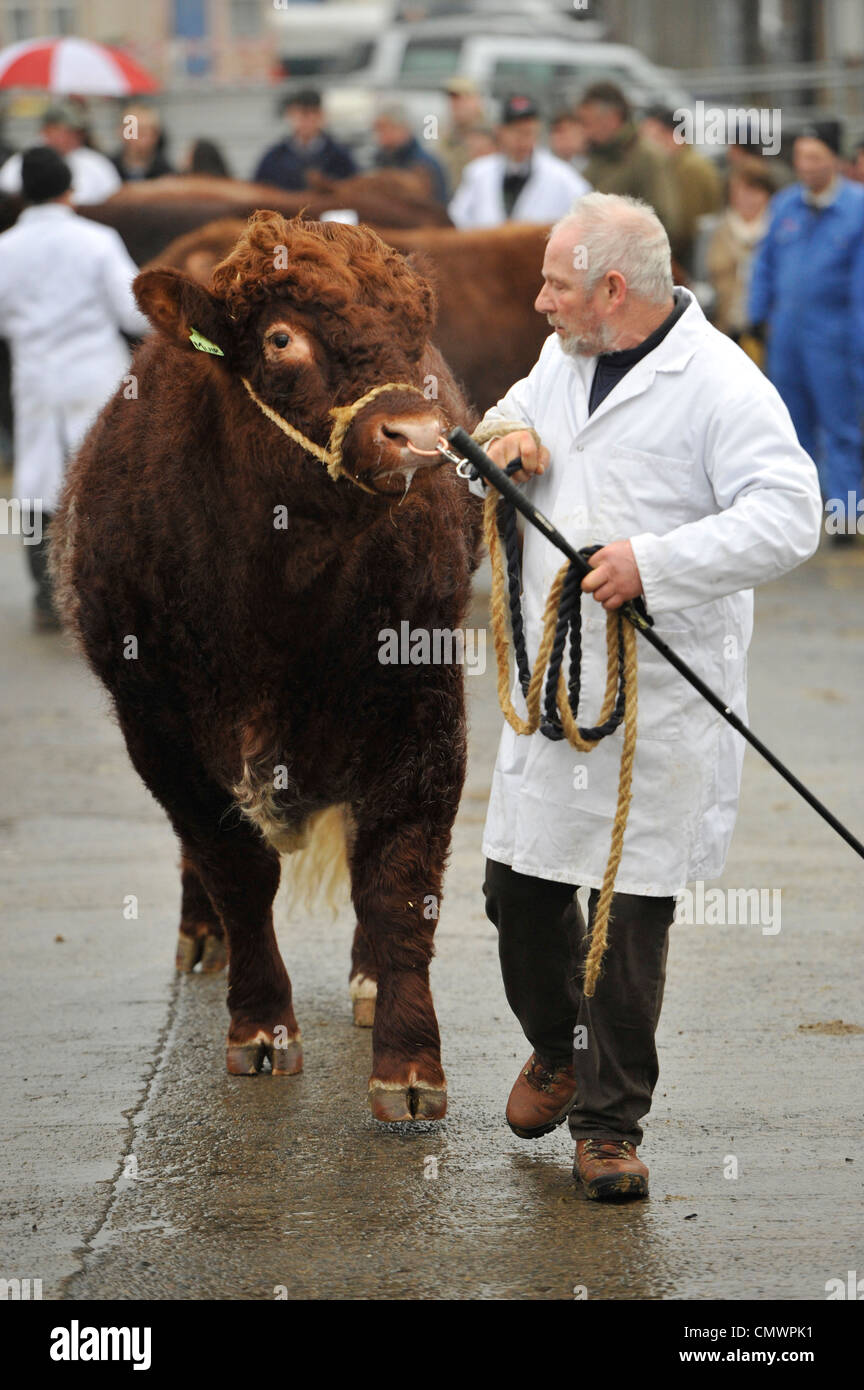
[(306, 148), (397, 147), (805, 281)]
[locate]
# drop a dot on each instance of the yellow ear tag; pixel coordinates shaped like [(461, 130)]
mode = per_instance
[(204, 344)]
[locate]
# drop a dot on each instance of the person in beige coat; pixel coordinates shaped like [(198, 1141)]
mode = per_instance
[(730, 251)]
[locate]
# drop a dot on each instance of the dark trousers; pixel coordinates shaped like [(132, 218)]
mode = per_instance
[(37, 560), (610, 1037)]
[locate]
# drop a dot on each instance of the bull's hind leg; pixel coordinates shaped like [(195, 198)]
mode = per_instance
[(363, 981), (201, 939), (395, 875)]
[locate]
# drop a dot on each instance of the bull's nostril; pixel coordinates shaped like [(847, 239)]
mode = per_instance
[(394, 434)]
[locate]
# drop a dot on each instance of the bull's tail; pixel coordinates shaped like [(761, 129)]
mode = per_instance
[(318, 864), (317, 847)]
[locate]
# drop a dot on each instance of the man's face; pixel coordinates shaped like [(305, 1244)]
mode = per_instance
[(576, 315), (518, 139), (815, 163), (567, 138), (465, 108), (390, 134), (61, 138), (600, 122), (305, 121)]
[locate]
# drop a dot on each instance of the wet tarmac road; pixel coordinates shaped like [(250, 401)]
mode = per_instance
[(133, 1167)]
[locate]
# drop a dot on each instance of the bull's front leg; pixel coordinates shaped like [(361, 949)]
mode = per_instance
[(396, 872)]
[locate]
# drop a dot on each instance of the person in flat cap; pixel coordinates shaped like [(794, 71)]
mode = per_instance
[(466, 118), (522, 181), (806, 295), (397, 147), (306, 148), (64, 129)]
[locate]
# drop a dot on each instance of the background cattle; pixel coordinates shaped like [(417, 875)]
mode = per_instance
[(230, 589), (148, 213)]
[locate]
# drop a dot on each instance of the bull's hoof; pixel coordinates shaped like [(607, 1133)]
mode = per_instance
[(214, 956), (211, 951), (364, 1013), (363, 993), (394, 1103), (247, 1059)]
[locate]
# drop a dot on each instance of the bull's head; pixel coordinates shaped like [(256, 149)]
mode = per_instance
[(314, 315)]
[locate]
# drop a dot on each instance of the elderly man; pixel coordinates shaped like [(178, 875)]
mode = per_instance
[(397, 147), (643, 427)]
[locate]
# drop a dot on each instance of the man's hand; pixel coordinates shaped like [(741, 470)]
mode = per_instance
[(520, 444), (615, 577)]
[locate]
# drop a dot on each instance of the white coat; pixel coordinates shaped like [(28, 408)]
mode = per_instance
[(94, 177), (693, 457), (549, 193), (65, 294)]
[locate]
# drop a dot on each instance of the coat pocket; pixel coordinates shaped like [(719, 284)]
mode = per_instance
[(645, 489)]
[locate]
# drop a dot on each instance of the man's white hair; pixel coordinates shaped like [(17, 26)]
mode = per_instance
[(624, 234)]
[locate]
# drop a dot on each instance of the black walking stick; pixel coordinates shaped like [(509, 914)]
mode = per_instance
[(464, 448)]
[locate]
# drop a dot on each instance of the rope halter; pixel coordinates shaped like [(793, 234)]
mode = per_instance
[(343, 415)]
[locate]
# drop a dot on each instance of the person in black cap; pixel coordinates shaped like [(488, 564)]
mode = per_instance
[(806, 276), (307, 147), (65, 298), (522, 182)]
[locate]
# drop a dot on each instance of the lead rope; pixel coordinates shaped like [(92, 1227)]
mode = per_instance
[(563, 613)]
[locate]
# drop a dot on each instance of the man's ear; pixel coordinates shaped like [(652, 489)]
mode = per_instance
[(183, 310)]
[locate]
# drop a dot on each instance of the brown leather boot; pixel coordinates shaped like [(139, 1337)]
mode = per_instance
[(609, 1170), (541, 1098)]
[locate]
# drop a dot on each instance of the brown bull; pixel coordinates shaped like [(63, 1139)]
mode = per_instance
[(230, 584), (486, 282)]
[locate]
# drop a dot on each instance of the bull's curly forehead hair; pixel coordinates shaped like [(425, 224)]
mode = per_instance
[(321, 266)]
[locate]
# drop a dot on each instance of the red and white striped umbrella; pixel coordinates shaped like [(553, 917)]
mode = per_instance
[(73, 66)]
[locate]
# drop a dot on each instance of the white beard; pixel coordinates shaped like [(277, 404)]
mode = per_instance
[(574, 346)]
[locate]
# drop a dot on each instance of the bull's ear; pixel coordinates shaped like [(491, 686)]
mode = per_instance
[(183, 310)]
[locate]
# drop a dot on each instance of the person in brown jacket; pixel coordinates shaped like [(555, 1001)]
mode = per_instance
[(698, 183), (619, 160)]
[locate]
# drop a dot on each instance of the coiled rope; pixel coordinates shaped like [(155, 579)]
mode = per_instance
[(551, 701)]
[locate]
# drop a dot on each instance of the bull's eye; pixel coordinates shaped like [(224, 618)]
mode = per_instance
[(281, 340)]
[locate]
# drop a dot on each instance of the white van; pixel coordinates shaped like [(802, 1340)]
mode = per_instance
[(503, 55)]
